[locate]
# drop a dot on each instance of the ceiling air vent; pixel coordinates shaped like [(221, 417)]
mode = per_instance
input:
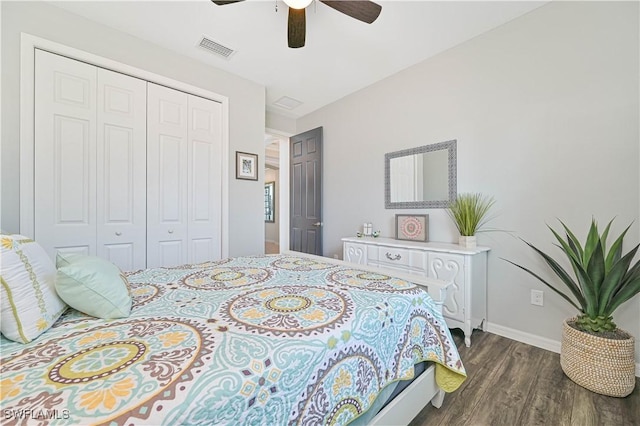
[(215, 47), (287, 103)]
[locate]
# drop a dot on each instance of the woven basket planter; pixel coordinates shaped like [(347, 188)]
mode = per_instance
[(605, 366)]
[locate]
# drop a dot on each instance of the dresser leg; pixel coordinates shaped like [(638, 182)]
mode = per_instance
[(468, 329)]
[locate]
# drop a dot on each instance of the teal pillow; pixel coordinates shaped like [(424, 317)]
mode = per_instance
[(92, 285)]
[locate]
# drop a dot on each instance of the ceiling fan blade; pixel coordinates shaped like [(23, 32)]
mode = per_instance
[(362, 10), (297, 27), (223, 2)]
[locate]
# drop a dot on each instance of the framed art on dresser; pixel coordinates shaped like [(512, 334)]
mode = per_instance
[(412, 227)]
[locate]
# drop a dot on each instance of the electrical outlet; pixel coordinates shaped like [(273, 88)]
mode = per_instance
[(537, 297)]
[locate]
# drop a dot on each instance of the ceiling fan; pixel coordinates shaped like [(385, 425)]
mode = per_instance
[(362, 10)]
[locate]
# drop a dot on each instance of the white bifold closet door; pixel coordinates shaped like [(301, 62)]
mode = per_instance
[(121, 170), (65, 154), (90, 161), (125, 169), (184, 148)]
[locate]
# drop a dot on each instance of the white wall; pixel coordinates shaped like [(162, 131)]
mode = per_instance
[(545, 111), (247, 99)]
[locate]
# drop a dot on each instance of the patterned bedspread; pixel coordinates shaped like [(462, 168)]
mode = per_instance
[(267, 340)]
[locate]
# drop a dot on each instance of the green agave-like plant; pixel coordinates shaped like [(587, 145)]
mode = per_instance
[(603, 278), (469, 212)]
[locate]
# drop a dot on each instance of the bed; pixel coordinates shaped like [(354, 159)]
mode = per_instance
[(277, 339)]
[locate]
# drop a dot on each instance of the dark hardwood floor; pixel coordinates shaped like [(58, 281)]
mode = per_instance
[(510, 383)]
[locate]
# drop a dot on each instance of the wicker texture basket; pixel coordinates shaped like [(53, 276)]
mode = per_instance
[(604, 366)]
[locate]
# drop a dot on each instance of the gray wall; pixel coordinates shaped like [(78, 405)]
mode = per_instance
[(545, 111), (246, 100), (272, 230), (280, 122)]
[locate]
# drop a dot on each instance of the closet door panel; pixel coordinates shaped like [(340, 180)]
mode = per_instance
[(121, 255), (121, 168), (167, 176), (171, 185), (65, 153), (171, 252), (205, 189)]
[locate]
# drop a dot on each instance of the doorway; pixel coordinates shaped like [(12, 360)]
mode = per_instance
[(281, 140), (272, 194)]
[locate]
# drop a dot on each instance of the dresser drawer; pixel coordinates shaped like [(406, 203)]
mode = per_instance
[(372, 253), (394, 256), (418, 260)]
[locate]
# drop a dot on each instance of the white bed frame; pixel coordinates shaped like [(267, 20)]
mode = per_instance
[(407, 404)]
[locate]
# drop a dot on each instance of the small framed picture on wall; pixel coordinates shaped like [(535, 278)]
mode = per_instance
[(412, 227), (246, 166)]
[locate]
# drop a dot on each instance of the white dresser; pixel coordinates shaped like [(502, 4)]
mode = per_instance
[(466, 303)]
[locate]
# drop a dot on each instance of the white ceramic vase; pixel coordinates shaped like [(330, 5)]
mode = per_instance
[(467, 241)]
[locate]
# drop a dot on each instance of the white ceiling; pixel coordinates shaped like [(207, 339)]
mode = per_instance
[(341, 56)]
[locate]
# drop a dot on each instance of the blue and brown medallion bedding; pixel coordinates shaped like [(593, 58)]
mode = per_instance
[(267, 340)]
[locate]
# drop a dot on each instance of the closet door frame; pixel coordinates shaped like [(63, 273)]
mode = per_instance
[(28, 45)]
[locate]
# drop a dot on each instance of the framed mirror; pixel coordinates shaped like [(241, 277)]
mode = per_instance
[(269, 202), (423, 177)]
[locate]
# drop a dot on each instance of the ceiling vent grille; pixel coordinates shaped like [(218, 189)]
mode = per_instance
[(215, 47), (287, 103)]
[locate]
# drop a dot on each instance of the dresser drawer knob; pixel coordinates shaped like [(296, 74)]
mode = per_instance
[(396, 257)]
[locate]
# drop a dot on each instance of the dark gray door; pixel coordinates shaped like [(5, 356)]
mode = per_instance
[(305, 230)]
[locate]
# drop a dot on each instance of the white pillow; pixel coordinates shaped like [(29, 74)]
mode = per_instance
[(29, 304)]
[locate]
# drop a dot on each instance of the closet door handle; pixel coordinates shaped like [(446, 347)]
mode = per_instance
[(170, 231), (396, 257), (118, 233)]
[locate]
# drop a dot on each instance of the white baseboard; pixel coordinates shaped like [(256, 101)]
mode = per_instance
[(532, 339), (521, 336)]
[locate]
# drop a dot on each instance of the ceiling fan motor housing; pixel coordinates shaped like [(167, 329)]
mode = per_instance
[(362, 10)]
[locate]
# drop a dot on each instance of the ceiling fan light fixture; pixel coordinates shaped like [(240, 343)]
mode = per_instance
[(297, 4)]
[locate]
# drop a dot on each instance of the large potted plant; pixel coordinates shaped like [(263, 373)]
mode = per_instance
[(595, 353), (469, 213)]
